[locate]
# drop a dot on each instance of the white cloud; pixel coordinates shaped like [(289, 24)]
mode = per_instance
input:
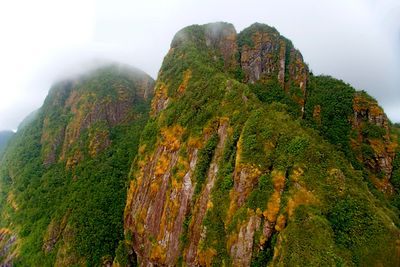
[(42, 40)]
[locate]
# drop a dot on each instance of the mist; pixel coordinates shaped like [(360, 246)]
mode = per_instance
[(43, 41)]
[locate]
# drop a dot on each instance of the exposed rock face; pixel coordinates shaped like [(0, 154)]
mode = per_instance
[(222, 37), (202, 204), (367, 112), (241, 251), (266, 55), (7, 241), (158, 203)]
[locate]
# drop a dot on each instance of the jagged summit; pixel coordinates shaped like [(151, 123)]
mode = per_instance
[(250, 160)]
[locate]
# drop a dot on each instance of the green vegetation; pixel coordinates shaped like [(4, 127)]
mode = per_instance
[(290, 188), (202, 166), (335, 101), (4, 137)]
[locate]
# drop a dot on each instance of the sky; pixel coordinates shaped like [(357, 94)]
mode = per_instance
[(43, 41)]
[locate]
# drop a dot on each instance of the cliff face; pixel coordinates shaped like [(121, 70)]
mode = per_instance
[(227, 177), (374, 136), (63, 175), (266, 55)]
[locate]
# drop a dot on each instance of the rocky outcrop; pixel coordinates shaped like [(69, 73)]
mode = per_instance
[(242, 250), (265, 55), (160, 201), (7, 241), (203, 202), (153, 204), (373, 135), (222, 37)]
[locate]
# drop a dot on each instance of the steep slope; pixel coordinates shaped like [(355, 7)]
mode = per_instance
[(63, 176), (229, 174), (5, 136)]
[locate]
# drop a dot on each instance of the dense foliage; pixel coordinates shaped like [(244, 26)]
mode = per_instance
[(4, 137), (72, 215)]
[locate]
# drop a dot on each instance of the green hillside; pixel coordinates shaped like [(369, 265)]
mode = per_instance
[(63, 177)]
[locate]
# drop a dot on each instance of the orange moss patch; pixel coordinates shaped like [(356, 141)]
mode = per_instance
[(195, 142), (158, 254), (383, 185), (296, 174), (360, 102), (210, 205), (160, 96), (153, 188), (302, 196), (206, 256), (317, 114), (5, 231), (72, 161), (162, 165), (377, 145), (278, 178), (259, 212), (11, 201), (129, 197), (273, 207), (171, 137), (239, 149), (175, 184), (98, 141), (392, 146), (186, 77), (142, 149), (280, 223), (182, 168)]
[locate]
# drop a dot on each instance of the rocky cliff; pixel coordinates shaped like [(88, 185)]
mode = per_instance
[(228, 176)]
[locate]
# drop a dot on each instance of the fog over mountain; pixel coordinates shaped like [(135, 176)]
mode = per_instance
[(43, 41)]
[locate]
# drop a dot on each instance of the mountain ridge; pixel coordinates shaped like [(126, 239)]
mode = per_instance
[(216, 136), (237, 155)]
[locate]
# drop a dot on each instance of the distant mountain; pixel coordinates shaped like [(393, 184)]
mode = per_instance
[(4, 137), (64, 175), (237, 155)]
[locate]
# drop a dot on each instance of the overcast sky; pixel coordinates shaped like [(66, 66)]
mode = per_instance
[(43, 40)]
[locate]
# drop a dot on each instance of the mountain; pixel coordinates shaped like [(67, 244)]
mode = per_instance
[(4, 137), (237, 155), (64, 174), (251, 160)]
